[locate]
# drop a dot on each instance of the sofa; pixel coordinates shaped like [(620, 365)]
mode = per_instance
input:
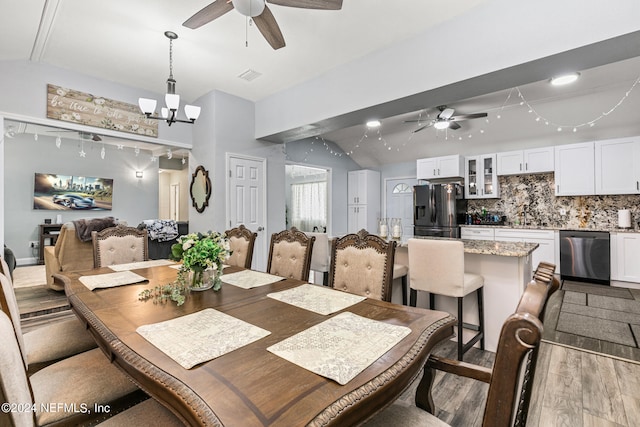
[(70, 253)]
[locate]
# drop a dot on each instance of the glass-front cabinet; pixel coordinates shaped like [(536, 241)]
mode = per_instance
[(481, 178)]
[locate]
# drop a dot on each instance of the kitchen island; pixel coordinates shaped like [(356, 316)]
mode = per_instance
[(506, 268)]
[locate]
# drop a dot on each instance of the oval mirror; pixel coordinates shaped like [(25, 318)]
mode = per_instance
[(200, 189)]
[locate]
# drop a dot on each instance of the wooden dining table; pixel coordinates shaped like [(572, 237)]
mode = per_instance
[(251, 386)]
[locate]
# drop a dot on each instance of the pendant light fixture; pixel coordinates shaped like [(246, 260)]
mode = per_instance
[(172, 100)]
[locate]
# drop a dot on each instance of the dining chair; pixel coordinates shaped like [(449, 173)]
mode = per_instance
[(290, 254), (48, 343), (320, 259), (241, 241), (511, 378), (437, 267), (362, 264), (119, 245), (64, 393)]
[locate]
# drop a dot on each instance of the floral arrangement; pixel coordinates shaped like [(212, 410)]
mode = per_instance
[(200, 253)]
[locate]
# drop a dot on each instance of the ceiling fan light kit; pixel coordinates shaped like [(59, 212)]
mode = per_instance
[(259, 12), (171, 99)]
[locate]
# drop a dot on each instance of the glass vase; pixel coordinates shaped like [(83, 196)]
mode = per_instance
[(201, 280)]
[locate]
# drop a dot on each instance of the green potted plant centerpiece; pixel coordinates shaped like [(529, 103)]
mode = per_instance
[(202, 256)]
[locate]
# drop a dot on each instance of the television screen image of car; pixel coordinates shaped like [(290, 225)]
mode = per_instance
[(70, 192)]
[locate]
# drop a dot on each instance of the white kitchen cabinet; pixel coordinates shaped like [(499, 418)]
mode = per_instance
[(574, 169), (481, 178), (624, 257), (363, 192), (534, 160), (440, 167), (546, 240), (477, 233), (617, 166)]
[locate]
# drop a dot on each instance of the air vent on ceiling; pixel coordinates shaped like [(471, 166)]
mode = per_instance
[(249, 75)]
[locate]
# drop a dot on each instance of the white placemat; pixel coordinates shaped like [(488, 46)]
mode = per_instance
[(248, 279), (200, 337), (319, 299), (340, 347), (141, 264), (111, 280)]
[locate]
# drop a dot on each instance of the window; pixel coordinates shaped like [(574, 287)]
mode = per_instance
[(402, 188), (309, 206)]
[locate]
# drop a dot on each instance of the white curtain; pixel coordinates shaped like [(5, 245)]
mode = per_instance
[(309, 206)]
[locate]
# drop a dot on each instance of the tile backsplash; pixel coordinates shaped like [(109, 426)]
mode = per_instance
[(535, 194)]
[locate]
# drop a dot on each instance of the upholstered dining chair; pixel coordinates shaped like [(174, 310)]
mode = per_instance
[(362, 264), (48, 343), (290, 254), (119, 245), (241, 241), (510, 380), (84, 380)]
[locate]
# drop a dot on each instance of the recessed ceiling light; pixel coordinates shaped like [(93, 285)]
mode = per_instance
[(565, 79), (443, 124), (373, 123)]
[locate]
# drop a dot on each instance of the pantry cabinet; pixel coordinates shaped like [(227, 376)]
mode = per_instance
[(363, 194)]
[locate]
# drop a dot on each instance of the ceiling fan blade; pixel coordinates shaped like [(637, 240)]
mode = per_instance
[(423, 128), (446, 113), (269, 28), (467, 117), (454, 126), (310, 4), (208, 14)]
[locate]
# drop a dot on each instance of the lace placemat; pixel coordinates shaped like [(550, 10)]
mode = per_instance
[(200, 337), (340, 347), (111, 280), (248, 279), (141, 264), (319, 299)]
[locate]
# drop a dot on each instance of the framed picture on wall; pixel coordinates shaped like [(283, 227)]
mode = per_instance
[(70, 192)]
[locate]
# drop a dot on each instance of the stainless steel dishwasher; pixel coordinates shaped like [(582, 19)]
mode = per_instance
[(585, 256)]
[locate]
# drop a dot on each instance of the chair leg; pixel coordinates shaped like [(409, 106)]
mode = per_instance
[(413, 296), (432, 301), (404, 290), (460, 329), (481, 314), (325, 278)]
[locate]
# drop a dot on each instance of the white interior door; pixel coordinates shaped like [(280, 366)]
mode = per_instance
[(399, 202), (246, 201)]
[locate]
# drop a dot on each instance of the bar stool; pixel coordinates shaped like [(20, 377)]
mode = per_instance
[(401, 271), (437, 267)]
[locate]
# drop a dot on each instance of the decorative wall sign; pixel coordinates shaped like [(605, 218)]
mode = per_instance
[(66, 192), (86, 109)]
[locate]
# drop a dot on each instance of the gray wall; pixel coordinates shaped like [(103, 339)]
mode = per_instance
[(133, 199)]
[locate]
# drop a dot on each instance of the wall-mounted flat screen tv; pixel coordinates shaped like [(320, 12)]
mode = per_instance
[(70, 192)]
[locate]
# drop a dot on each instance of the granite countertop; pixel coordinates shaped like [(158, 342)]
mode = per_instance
[(554, 228), (490, 247)]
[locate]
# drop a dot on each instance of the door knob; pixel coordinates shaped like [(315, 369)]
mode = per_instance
[(260, 229)]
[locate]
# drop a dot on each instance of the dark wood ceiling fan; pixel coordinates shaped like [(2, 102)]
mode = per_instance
[(446, 119), (259, 12)]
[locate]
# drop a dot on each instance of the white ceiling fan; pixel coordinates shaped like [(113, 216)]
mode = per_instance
[(445, 119)]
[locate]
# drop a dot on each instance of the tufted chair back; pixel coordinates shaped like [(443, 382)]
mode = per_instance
[(241, 241), (362, 264), (290, 254), (119, 245)]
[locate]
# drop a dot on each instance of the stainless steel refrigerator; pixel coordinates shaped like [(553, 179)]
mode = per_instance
[(438, 210)]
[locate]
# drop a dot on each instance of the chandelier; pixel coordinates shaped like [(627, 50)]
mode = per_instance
[(171, 99)]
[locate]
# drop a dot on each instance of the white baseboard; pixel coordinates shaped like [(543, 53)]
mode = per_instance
[(26, 261)]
